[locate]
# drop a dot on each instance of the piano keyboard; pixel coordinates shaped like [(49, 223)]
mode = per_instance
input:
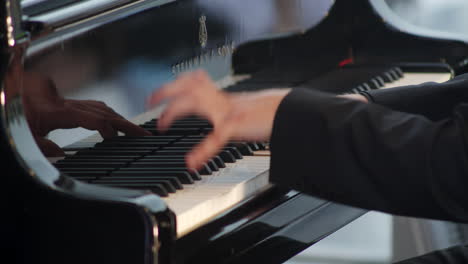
[(353, 79), (156, 163)]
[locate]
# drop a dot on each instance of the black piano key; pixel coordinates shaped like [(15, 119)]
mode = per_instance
[(87, 157), (174, 180), (218, 161), (213, 165), (262, 145), (157, 164), (90, 164), (253, 145), (165, 152), (126, 148), (153, 187), (136, 144), (183, 176), (192, 118), (177, 131), (165, 183), (193, 173), (234, 151), (227, 156), (366, 86), (233, 147), (387, 77), (186, 143), (362, 88), (243, 148), (94, 152), (84, 169), (236, 154), (204, 170), (179, 125), (380, 80), (352, 77), (399, 72), (142, 139), (394, 74), (157, 156), (374, 84)]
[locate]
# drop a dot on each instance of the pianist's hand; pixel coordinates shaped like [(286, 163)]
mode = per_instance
[(242, 116), (46, 110)]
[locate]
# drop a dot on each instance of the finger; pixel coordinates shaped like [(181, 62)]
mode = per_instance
[(93, 121), (49, 148), (102, 110), (176, 109), (177, 87), (129, 128), (102, 106), (98, 110), (209, 147)]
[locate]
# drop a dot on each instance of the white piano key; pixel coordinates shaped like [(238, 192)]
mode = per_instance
[(412, 78), (200, 202)]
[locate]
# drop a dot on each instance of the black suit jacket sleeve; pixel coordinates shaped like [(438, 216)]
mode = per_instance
[(370, 156), (433, 100)]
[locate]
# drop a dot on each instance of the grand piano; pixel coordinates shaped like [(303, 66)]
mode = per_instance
[(129, 199)]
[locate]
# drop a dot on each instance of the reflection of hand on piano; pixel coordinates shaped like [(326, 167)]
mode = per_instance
[(242, 116), (46, 110)]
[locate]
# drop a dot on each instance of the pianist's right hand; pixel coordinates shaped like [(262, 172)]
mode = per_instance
[(242, 116), (46, 110)]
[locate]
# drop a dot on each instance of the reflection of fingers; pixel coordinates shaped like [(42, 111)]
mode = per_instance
[(174, 110), (94, 121), (128, 128), (103, 107), (102, 110), (49, 148), (209, 147), (107, 131)]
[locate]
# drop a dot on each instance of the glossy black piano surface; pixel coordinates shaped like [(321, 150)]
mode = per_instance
[(118, 52)]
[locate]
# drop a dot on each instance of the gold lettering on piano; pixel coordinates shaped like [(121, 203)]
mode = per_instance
[(206, 57)]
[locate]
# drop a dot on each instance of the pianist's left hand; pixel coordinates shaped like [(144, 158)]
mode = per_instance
[(46, 110)]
